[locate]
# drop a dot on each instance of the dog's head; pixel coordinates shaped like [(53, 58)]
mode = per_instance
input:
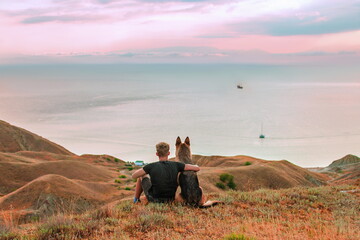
[(183, 152)]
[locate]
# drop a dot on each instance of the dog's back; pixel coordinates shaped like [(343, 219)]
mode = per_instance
[(190, 189), (188, 180)]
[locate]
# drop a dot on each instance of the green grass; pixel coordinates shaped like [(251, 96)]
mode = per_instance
[(148, 222), (231, 185), (307, 213), (7, 234), (220, 185), (62, 228), (234, 236), (226, 177)]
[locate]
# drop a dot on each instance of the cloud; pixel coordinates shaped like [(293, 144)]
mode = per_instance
[(182, 54), (320, 53), (162, 1), (216, 36), (105, 1), (62, 18), (328, 20)]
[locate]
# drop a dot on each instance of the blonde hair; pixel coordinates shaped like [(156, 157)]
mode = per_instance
[(162, 149)]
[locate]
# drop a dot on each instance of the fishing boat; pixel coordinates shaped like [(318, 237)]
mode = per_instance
[(239, 86)]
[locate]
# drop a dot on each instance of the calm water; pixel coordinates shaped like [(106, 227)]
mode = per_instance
[(310, 115)]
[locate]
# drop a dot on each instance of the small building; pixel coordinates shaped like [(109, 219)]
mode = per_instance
[(139, 163)]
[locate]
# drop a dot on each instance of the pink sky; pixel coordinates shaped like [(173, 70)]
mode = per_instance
[(189, 29)]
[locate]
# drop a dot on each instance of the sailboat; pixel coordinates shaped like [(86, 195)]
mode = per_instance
[(261, 134)]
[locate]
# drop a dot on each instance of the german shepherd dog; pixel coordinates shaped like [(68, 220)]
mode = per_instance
[(191, 192)]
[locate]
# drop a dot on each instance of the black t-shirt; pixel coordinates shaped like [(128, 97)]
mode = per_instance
[(163, 175)]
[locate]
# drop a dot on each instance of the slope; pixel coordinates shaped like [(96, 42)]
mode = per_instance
[(14, 139)]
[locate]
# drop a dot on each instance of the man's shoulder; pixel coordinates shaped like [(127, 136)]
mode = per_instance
[(175, 163), (159, 163)]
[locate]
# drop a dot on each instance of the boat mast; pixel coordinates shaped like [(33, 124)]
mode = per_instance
[(261, 134)]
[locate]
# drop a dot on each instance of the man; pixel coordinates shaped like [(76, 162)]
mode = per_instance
[(159, 180)]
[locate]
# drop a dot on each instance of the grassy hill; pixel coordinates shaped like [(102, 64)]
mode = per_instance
[(295, 213), (46, 192), (252, 173), (14, 139), (345, 170), (15, 175), (52, 193), (347, 160)]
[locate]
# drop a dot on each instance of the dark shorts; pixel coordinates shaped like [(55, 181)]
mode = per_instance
[(146, 186)]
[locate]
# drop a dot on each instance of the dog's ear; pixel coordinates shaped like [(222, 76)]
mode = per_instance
[(178, 141), (187, 141)]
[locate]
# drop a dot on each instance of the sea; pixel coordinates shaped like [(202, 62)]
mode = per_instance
[(309, 114)]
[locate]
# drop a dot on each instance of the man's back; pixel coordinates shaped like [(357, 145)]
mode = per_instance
[(163, 176)]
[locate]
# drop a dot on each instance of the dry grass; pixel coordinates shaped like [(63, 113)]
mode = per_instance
[(295, 213)]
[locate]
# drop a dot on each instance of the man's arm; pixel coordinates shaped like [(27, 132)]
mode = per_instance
[(138, 173), (190, 167)]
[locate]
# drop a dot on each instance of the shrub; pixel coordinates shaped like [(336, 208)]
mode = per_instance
[(127, 188), (130, 168), (231, 185), (234, 236), (117, 181), (220, 185), (122, 176), (225, 177), (116, 159), (108, 159), (247, 163)]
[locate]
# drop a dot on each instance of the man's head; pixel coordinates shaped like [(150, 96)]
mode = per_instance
[(162, 149)]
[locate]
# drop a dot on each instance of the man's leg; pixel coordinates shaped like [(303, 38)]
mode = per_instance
[(138, 188), (146, 185)]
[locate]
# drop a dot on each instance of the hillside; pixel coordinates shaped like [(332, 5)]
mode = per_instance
[(297, 213), (252, 173), (352, 177), (14, 139), (221, 161), (347, 160), (47, 178), (38, 183), (50, 193), (345, 170), (15, 175)]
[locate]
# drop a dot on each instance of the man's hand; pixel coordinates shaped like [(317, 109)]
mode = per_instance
[(138, 173), (190, 167)]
